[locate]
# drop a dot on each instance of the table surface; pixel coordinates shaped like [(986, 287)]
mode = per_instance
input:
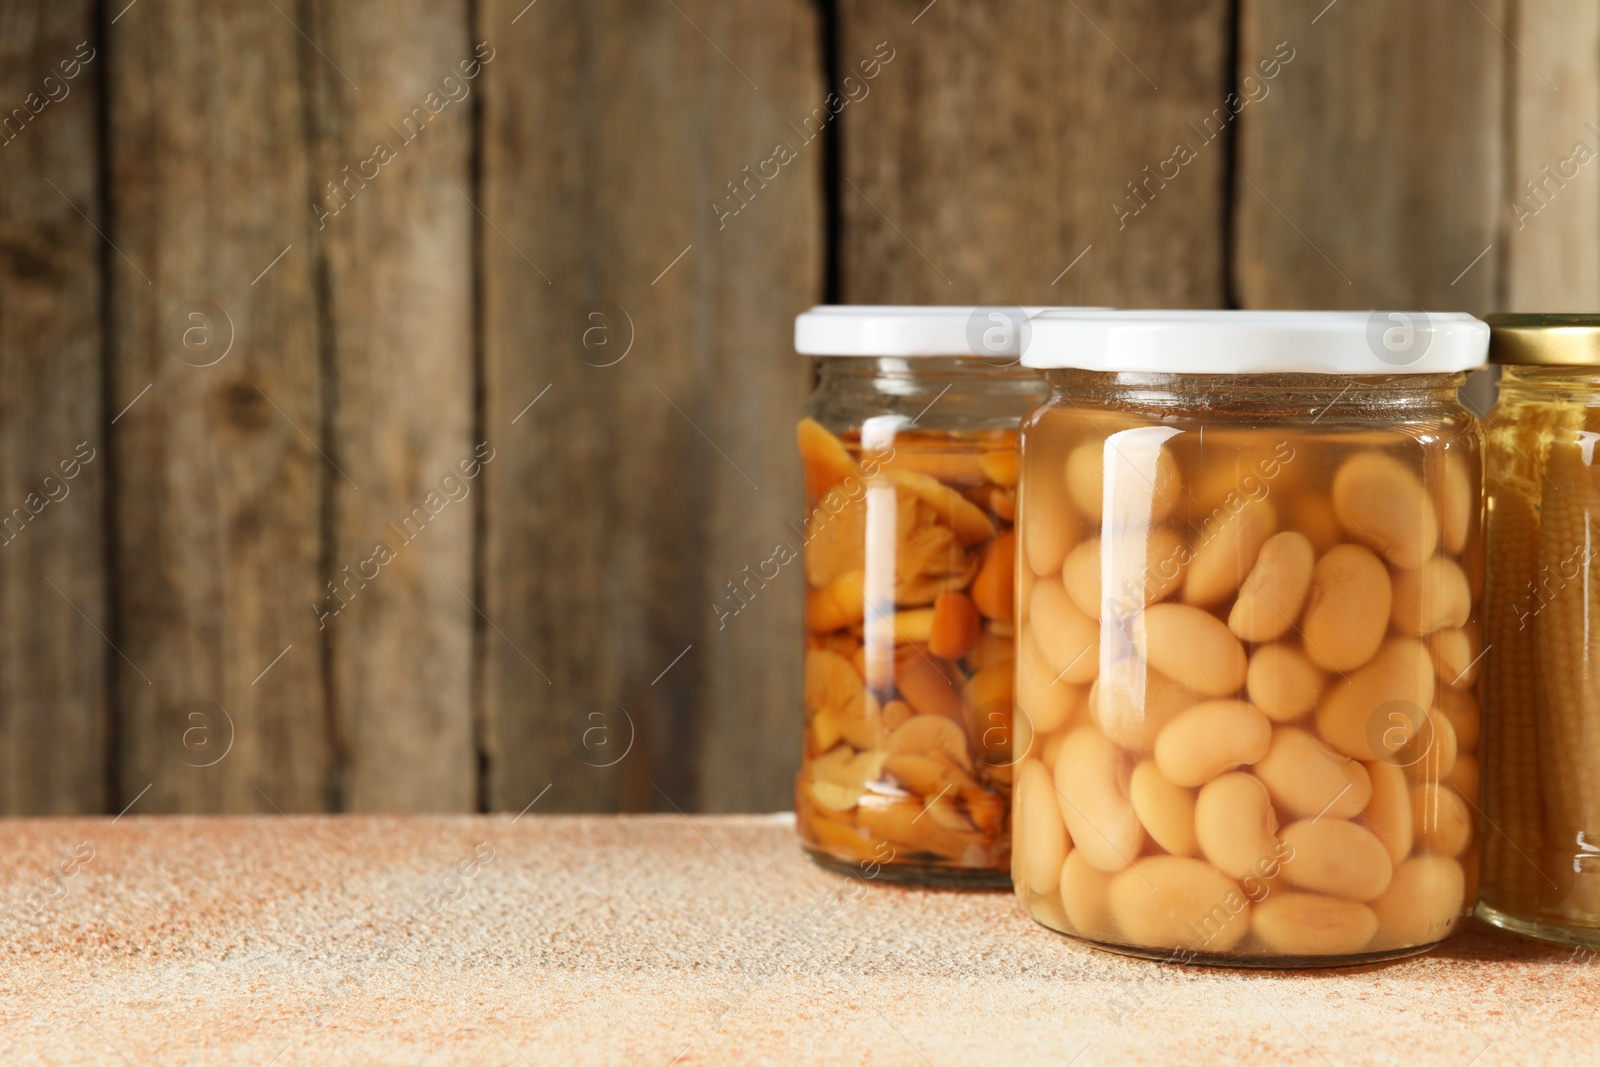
[(657, 940)]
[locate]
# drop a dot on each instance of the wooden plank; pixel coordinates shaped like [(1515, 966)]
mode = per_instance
[(397, 242), (54, 711), (220, 478), (1372, 174), (1552, 230), (998, 145), (626, 497)]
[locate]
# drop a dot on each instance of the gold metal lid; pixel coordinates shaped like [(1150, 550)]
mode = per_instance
[(1544, 340)]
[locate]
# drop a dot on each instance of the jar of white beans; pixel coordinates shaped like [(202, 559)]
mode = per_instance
[(1248, 643)]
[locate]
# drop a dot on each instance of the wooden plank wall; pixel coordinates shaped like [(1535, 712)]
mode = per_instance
[(1551, 259), (1395, 199), (55, 723), (646, 477), (216, 381), (434, 359), (996, 150), (398, 292)]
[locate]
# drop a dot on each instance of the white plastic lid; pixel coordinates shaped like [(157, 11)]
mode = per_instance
[(1405, 341), (910, 330)]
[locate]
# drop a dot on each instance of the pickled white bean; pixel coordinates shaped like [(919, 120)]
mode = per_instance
[(1086, 898), (1157, 482), (1347, 612), (1457, 656), (1068, 639), (1039, 845), (1382, 503), (1275, 590), (1086, 478), (1337, 857), (1423, 903), (1159, 574), (1376, 710), (1432, 597), (1080, 573), (1430, 755), (1049, 528), (1309, 924), (1210, 739), (1046, 703), (1194, 647), (1092, 778), (1235, 825), (1143, 571), (1173, 903), (1305, 777), (1283, 682), (1388, 813), (1225, 554), (1242, 467), (1132, 706), (1166, 810), (1440, 819)]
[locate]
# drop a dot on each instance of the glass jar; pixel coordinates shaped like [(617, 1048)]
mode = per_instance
[(1248, 640), (909, 451), (1541, 861)]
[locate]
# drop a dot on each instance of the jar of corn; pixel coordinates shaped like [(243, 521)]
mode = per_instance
[(1541, 856), (909, 451), (1248, 639)]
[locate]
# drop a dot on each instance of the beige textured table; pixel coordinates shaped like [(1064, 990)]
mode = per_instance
[(657, 940)]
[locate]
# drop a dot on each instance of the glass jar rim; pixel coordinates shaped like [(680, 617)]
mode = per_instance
[(1291, 395)]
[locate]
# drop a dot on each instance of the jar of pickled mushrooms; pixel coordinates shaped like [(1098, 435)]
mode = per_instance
[(1541, 854), (1248, 641), (909, 451)]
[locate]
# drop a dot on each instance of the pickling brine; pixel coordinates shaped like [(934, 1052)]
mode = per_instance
[(1248, 659)]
